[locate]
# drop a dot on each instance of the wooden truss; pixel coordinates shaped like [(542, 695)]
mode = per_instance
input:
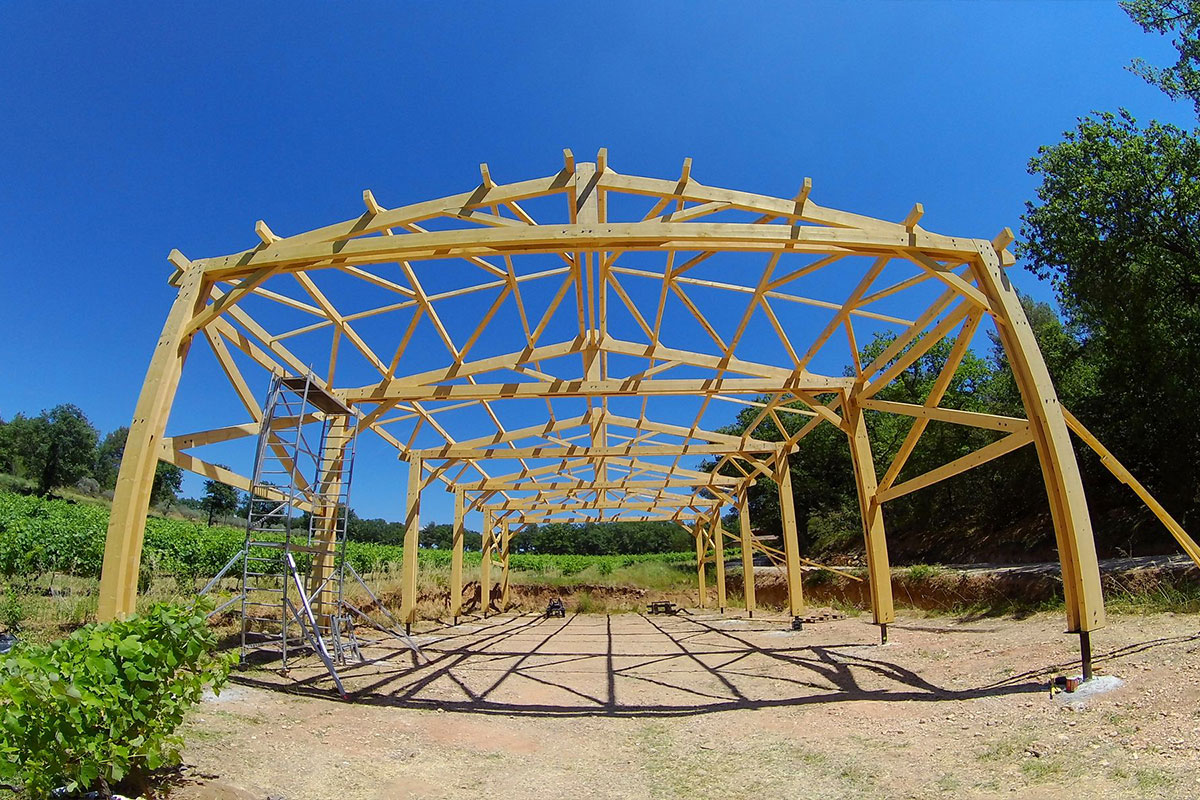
[(585, 331)]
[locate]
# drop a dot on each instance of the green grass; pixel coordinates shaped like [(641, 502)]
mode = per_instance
[(652, 575), (924, 572), (1156, 599), (1152, 780)]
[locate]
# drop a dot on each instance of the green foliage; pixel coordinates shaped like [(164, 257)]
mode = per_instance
[(924, 524), (168, 479), (441, 536), (22, 446), (1166, 17), (834, 530), (219, 499), (923, 572), (12, 613), (55, 448), (108, 457), (1116, 228), (69, 447), (102, 705), (609, 538), (39, 535)]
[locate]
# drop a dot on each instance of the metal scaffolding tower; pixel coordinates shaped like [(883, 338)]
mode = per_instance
[(294, 571)]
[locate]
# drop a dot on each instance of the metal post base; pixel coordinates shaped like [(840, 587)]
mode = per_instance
[(883, 633), (1085, 654)]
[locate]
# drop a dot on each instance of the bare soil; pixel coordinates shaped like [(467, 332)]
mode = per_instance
[(705, 705)]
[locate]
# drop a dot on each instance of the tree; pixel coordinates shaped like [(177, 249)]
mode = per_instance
[(1116, 228), (219, 498), (67, 449), (168, 479), (108, 457), (23, 443), (440, 536), (1165, 17)]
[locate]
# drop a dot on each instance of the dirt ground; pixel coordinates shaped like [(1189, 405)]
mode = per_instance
[(633, 706)]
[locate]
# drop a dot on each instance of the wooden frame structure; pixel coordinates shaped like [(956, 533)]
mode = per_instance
[(596, 300)]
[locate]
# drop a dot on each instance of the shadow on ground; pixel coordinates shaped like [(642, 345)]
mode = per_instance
[(633, 665)]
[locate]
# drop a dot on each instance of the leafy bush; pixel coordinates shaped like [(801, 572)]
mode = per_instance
[(101, 706), (834, 530), (12, 613), (924, 572)]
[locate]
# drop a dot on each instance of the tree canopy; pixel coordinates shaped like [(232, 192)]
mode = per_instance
[(1180, 18), (1116, 229), (55, 448), (220, 499)]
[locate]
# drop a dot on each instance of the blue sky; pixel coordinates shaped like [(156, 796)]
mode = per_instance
[(129, 129)]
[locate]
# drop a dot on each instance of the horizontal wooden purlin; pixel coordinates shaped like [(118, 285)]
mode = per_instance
[(223, 475), (576, 346), (547, 510), (674, 499), (187, 441), (613, 516), (533, 504), (693, 191), (660, 352), (611, 505), (956, 416), (600, 388), (572, 487), (617, 516), (624, 236), (492, 364), (586, 451), (738, 442), (395, 217)]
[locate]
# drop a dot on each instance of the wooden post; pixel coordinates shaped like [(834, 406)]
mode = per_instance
[(412, 538), (1060, 471), (456, 559), (879, 571), (485, 564), (329, 489), (718, 535), (791, 541), (505, 540), (701, 548), (747, 553), (127, 523)]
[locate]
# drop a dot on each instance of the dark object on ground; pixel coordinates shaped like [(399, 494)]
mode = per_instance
[(797, 623), (63, 793), (7, 642), (818, 615), (1062, 683), (555, 608), (662, 607)]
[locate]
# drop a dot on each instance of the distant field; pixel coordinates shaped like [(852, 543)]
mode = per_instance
[(39, 536)]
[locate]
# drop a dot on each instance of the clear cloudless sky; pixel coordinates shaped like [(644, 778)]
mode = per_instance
[(127, 129)]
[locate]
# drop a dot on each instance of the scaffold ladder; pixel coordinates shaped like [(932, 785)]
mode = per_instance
[(293, 562)]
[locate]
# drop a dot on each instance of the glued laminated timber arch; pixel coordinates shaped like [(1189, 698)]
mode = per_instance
[(584, 331)]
